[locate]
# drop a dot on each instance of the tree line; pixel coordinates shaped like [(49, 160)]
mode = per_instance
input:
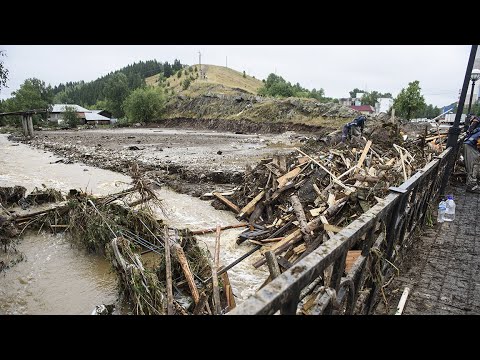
[(277, 86), (108, 92)]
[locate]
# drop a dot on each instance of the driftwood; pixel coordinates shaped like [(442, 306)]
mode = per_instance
[(182, 259), (298, 209), (216, 292), (315, 224), (272, 264), (201, 232), (226, 202), (168, 271)]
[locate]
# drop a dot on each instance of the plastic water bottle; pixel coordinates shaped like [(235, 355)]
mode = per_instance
[(442, 207), (450, 210)]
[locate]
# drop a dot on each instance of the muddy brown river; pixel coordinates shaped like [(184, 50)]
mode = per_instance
[(57, 278)]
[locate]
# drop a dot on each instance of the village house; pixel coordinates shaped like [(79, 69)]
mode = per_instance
[(85, 116)]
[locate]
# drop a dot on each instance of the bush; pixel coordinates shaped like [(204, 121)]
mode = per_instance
[(186, 83), (145, 105), (70, 117)]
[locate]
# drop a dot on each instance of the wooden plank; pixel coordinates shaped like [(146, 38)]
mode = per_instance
[(403, 164), (205, 231), (282, 180), (331, 199), (317, 211), (293, 236), (352, 256), (210, 195), (300, 214), (300, 249), (272, 240), (248, 209), (332, 228), (364, 154), (302, 159), (435, 137), (226, 202), (402, 302), (324, 221), (228, 291)]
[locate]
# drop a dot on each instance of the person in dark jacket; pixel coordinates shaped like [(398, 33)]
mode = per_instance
[(474, 123), (471, 148), (356, 125)]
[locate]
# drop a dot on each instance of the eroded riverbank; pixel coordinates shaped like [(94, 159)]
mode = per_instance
[(192, 162)]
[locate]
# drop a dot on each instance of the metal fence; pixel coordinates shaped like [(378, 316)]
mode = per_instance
[(382, 233)]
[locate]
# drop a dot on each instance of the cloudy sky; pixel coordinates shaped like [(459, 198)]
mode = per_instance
[(335, 68)]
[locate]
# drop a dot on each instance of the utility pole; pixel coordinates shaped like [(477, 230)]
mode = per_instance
[(200, 63), (454, 130)]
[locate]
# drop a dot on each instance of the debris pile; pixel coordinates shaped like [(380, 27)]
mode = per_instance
[(153, 277), (295, 203)]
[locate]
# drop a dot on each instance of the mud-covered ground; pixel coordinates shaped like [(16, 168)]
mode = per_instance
[(189, 161)]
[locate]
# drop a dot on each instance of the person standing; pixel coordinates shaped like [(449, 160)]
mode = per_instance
[(474, 123), (471, 149)]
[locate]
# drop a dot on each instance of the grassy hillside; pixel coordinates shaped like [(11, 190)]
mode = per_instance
[(219, 79), (226, 95)]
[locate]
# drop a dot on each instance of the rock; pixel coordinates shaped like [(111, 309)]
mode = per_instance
[(219, 152), (134, 148)]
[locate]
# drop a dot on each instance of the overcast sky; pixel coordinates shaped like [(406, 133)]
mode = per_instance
[(337, 69)]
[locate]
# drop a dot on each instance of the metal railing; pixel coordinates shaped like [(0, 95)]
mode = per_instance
[(382, 233)]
